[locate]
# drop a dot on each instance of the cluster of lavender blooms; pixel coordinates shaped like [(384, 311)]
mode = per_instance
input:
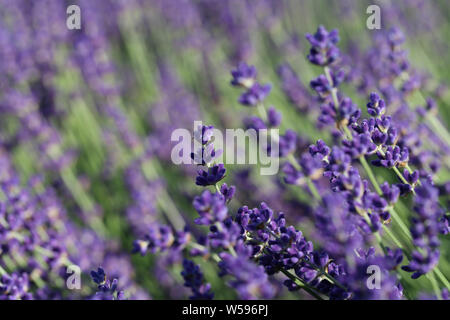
[(253, 244), (380, 134), (364, 212), (387, 68)]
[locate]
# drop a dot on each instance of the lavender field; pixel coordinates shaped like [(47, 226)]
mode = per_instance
[(352, 118)]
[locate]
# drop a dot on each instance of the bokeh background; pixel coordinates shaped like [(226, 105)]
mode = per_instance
[(86, 116)]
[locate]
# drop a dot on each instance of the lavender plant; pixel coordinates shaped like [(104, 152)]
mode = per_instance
[(93, 207)]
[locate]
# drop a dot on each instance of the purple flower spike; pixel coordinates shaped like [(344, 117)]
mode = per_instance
[(360, 145), (312, 165), (244, 75), (228, 192), (255, 94), (390, 193), (107, 289), (378, 137), (249, 279), (212, 176), (346, 113), (412, 177), (392, 157), (255, 123), (273, 117), (211, 207), (376, 106), (99, 276), (324, 50), (158, 238), (287, 143), (206, 155), (322, 86), (319, 148), (292, 175), (425, 230)]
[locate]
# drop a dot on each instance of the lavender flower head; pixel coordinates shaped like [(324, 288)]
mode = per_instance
[(107, 289), (255, 94), (323, 50), (244, 75)]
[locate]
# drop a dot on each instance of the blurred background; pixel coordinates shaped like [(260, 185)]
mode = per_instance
[(86, 118)]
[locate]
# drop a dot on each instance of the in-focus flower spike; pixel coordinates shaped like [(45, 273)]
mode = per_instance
[(412, 177), (393, 156), (320, 148), (107, 289), (205, 156)]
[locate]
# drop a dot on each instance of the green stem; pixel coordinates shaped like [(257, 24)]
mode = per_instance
[(313, 189), (309, 182), (394, 213), (302, 284), (439, 128), (2, 271), (435, 286), (400, 175), (442, 277), (369, 172), (393, 237), (399, 221)]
